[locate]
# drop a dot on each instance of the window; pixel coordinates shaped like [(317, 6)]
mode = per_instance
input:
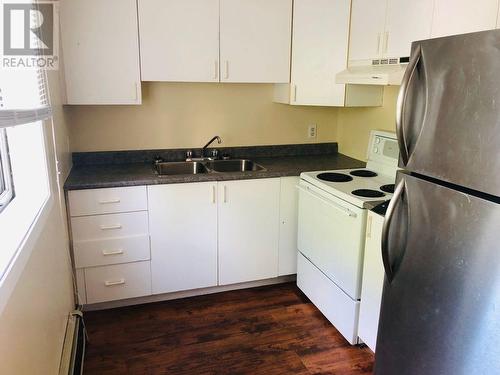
[(6, 182), (24, 180)]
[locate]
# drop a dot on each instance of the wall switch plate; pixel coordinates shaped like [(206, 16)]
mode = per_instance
[(312, 131)]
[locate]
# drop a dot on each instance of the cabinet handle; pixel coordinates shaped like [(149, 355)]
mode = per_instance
[(369, 227), (136, 92), (294, 93), (117, 200), (216, 69), (111, 227), (213, 194), (226, 73), (116, 252), (116, 282), (378, 42), (386, 42), (225, 194)]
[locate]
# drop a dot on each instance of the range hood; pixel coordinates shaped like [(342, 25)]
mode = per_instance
[(386, 74)]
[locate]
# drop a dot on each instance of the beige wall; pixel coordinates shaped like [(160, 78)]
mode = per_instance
[(33, 323), (188, 114), (355, 124)]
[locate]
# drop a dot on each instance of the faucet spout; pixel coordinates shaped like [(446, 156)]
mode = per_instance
[(216, 138)]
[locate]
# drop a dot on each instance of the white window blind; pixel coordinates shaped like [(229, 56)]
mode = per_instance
[(23, 97)]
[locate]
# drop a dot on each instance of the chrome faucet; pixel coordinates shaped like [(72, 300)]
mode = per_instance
[(219, 141)]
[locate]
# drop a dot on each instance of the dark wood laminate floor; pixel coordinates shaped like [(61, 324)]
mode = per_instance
[(268, 330)]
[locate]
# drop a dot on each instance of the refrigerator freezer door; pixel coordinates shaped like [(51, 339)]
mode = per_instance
[(441, 303), (449, 111)]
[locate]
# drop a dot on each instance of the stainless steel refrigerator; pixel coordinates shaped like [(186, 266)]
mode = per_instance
[(441, 242)]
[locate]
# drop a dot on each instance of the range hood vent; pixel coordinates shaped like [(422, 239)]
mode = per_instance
[(383, 72)]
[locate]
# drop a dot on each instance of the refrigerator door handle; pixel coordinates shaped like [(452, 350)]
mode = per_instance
[(401, 103), (385, 229)]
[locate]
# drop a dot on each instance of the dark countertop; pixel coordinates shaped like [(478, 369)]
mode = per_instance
[(134, 174)]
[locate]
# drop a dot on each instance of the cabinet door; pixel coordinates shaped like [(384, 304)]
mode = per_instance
[(179, 40), (407, 21), (101, 51), (248, 230), (373, 281), (463, 16), (367, 26), (183, 228), (320, 44), (255, 40), (289, 199)]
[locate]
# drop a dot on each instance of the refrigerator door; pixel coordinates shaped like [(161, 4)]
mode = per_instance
[(448, 114), (441, 299)]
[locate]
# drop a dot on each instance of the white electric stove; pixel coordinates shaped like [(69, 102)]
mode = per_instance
[(331, 231)]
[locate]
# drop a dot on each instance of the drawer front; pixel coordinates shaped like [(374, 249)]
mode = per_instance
[(336, 306), (109, 226), (107, 201), (111, 251), (118, 281)]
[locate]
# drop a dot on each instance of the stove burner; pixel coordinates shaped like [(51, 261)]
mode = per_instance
[(334, 177), (368, 193), (388, 188), (363, 173)]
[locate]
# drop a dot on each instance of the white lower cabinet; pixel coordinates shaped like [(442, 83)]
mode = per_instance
[(289, 199), (183, 227), (192, 236), (248, 230), (373, 282), (118, 281)]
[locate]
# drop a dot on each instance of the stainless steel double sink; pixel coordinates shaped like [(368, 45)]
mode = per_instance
[(200, 167)]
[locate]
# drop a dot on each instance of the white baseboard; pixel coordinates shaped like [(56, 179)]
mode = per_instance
[(187, 293)]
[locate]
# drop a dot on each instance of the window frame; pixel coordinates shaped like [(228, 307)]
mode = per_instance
[(7, 192)]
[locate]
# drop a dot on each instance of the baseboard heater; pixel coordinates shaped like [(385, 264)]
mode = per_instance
[(74, 345)]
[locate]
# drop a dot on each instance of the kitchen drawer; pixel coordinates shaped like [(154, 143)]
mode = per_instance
[(336, 306), (118, 281), (109, 226), (107, 201), (111, 251)]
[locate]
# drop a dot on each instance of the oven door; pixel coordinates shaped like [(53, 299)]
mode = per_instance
[(330, 235)]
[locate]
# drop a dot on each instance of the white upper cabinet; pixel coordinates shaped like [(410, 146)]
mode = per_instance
[(463, 16), (249, 212), (179, 40), (367, 28), (255, 40), (101, 51), (498, 17), (320, 45), (407, 21)]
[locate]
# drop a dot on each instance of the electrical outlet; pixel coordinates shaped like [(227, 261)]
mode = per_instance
[(312, 131)]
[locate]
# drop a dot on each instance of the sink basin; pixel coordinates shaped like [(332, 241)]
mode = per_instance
[(178, 168), (235, 165)]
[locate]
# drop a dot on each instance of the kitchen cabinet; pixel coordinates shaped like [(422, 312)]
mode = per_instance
[(320, 45), (248, 230), (255, 40), (386, 28), (463, 16), (373, 281), (367, 27), (179, 40), (498, 17), (289, 201), (406, 22), (101, 51), (110, 243), (183, 228)]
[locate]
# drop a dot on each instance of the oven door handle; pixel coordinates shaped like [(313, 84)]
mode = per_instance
[(327, 201), (385, 229)]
